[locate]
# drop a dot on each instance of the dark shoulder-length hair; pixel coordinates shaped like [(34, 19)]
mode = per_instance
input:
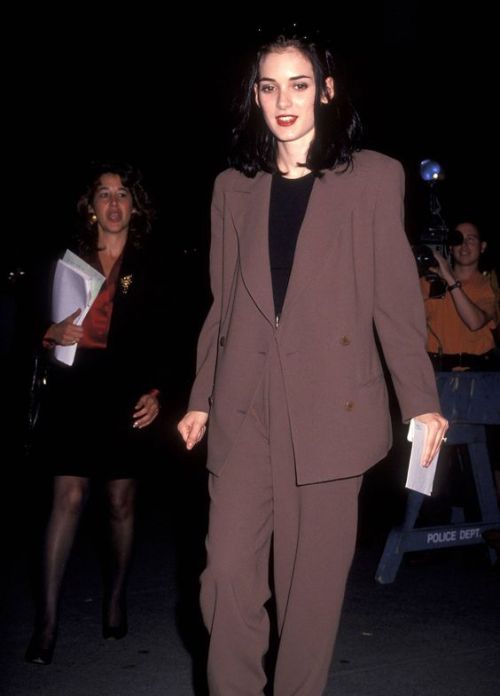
[(142, 217), (337, 124)]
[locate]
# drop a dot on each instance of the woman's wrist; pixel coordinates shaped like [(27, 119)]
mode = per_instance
[(452, 286), (48, 340)]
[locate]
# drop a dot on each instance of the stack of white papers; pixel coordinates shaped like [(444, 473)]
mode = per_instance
[(76, 285), (419, 478)]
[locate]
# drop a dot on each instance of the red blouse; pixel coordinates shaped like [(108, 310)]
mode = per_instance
[(97, 322)]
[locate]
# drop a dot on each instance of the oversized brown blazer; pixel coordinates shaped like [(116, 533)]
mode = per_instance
[(353, 269)]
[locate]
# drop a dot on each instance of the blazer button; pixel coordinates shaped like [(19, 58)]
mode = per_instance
[(349, 405), (345, 341), (222, 341)]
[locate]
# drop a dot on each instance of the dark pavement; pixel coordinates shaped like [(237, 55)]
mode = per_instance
[(434, 632)]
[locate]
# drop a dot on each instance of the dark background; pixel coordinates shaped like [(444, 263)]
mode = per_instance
[(131, 82), (100, 81)]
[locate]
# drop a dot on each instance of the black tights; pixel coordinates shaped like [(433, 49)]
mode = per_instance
[(70, 496)]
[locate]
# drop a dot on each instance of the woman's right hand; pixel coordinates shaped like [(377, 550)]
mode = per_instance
[(193, 427), (65, 333)]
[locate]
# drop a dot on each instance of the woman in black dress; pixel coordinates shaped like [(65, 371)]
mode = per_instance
[(92, 420)]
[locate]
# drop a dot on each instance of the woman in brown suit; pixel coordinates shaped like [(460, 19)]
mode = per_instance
[(308, 252)]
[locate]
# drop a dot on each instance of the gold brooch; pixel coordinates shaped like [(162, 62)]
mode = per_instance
[(125, 283)]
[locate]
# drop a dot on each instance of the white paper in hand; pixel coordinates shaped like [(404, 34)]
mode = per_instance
[(75, 287), (95, 279), (419, 478)]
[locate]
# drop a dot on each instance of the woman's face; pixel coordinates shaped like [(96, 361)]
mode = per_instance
[(112, 205), (285, 91)]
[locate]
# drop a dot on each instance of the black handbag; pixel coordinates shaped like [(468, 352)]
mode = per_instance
[(37, 389)]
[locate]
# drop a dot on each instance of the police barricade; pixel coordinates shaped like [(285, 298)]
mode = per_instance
[(469, 400)]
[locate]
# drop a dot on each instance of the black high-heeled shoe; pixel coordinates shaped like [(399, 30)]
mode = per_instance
[(38, 653), (118, 630), (114, 632)]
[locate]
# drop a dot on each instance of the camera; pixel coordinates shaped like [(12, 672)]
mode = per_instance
[(437, 236), (434, 240), (424, 256)]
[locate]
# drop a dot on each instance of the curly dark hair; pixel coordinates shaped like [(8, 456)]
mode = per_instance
[(337, 124), (140, 222)]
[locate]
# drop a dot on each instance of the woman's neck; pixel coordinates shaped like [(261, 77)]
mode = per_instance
[(111, 245), (465, 272), (290, 156)]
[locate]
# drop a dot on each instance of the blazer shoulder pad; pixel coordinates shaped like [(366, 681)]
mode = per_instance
[(375, 162)]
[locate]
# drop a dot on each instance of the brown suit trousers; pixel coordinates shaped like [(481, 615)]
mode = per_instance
[(256, 503)]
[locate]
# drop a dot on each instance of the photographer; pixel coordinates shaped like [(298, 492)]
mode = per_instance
[(460, 322)]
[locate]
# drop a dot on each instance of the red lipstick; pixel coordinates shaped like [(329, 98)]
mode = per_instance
[(286, 120)]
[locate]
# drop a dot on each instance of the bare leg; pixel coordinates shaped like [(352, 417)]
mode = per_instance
[(121, 495)]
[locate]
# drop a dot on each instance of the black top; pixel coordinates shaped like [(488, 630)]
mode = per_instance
[(289, 199)]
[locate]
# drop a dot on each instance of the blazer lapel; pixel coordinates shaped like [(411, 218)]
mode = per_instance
[(250, 210), (328, 212), (325, 217), (128, 288)]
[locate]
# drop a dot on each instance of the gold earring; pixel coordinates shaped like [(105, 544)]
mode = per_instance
[(93, 219)]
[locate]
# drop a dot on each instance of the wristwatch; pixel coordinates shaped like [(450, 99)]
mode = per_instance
[(456, 284)]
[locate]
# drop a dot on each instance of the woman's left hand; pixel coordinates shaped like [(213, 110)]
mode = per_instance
[(436, 431), (146, 410)]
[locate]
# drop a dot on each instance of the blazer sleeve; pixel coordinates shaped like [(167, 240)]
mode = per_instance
[(206, 358), (398, 304)]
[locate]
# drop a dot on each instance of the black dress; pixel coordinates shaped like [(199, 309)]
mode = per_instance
[(85, 422)]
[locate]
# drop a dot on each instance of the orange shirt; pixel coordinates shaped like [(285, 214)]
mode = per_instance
[(447, 333)]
